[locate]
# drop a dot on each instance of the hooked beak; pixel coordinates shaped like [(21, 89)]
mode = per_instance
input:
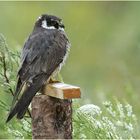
[(61, 25)]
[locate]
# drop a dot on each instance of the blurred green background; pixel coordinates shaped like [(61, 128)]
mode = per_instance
[(105, 55)]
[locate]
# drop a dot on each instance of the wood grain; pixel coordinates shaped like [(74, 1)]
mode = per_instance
[(62, 91)]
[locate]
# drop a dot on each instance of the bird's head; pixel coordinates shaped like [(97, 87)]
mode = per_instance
[(49, 22)]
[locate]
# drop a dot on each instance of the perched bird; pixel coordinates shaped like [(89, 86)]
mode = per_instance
[(42, 56)]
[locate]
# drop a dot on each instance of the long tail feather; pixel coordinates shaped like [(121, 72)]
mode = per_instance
[(17, 91), (23, 103)]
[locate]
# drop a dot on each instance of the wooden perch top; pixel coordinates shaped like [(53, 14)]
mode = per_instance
[(62, 91)]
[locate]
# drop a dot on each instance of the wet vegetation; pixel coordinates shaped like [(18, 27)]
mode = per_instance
[(103, 61)]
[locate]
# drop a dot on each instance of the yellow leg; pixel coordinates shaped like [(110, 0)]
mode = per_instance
[(53, 80)]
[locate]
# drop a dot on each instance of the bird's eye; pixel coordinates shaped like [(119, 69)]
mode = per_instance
[(54, 23)]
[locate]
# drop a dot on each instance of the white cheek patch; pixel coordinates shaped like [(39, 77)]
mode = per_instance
[(44, 25)]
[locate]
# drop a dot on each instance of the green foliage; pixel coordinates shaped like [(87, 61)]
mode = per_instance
[(9, 63), (104, 58), (114, 121), (105, 37)]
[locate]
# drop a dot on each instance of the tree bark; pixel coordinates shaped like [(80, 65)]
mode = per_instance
[(51, 118)]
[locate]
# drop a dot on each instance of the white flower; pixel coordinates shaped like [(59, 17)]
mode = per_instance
[(119, 123), (129, 110), (109, 108), (108, 124), (98, 123), (89, 110), (107, 104), (121, 110), (16, 133), (83, 136), (26, 125), (129, 127)]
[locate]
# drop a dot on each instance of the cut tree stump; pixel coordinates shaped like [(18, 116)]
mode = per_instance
[(52, 111)]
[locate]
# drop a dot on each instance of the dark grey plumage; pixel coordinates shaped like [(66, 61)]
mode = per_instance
[(43, 53)]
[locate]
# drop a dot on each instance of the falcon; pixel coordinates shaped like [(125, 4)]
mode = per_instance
[(42, 57)]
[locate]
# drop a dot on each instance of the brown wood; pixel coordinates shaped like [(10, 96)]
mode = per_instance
[(52, 116), (62, 91)]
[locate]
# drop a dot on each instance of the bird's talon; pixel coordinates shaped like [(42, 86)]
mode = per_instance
[(53, 81)]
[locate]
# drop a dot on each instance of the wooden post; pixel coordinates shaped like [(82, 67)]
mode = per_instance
[(52, 112)]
